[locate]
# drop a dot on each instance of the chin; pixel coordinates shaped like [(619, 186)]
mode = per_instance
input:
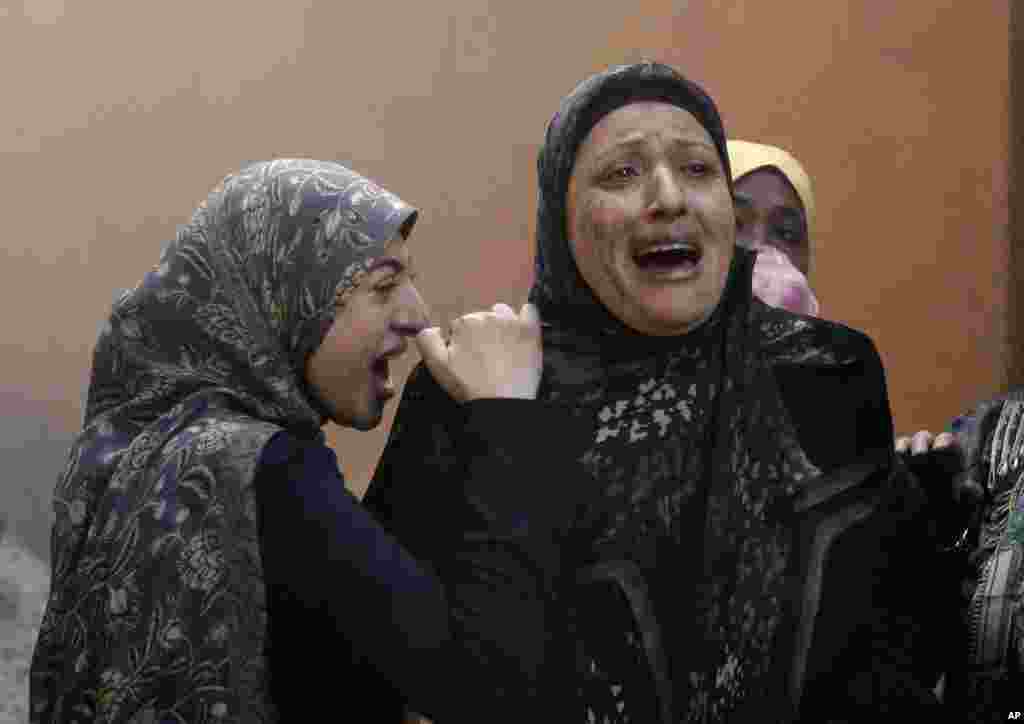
[(671, 327), (368, 420), (668, 319), (364, 420), (365, 424)]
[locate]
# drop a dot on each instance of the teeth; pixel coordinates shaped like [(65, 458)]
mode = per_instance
[(675, 246)]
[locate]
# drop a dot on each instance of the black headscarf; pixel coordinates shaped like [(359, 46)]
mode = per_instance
[(695, 459), (157, 606), (579, 112)]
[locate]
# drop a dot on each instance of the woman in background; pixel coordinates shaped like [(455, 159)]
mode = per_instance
[(775, 216)]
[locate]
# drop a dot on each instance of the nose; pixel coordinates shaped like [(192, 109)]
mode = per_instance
[(669, 195), (411, 317)]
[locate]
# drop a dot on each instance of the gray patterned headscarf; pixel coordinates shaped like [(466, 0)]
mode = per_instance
[(157, 608)]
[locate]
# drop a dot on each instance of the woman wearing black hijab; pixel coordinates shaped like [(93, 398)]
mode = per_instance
[(716, 426)]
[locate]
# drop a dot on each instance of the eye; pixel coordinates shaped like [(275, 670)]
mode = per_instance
[(697, 169), (788, 234), (384, 289), (621, 173)]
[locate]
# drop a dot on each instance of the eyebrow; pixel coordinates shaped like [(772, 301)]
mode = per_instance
[(787, 212), (633, 140), (790, 212)]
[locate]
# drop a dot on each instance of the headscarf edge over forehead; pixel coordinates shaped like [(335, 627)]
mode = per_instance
[(579, 112), (156, 534), (250, 281), (747, 157)]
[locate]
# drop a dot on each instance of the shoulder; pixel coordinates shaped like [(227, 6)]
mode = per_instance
[(792, 338), (217, 445), (976, 427), (219, 435), (967, 423), (286, 452), (814, 360), (234, 446)]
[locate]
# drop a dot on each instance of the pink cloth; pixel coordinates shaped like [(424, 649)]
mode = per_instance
[(778, 283)]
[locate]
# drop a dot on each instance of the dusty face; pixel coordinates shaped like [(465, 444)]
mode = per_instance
[(349, 371), (650, 219), (769, 214)]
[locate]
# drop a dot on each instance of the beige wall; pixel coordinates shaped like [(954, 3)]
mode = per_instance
[(119, 116), (899, 111)]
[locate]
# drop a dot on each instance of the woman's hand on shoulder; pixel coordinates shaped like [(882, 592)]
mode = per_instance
[(923, 441), (487, 354), (940, 458)]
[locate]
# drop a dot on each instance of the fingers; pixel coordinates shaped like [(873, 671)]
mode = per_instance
[(434, 351), (923, 441), (530, 315), (503, 310), (431, 345)]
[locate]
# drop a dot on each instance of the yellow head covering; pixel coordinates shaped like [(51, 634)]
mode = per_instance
[(745, 157)]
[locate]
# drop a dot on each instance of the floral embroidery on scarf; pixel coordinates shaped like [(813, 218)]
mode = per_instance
[(157, 608)]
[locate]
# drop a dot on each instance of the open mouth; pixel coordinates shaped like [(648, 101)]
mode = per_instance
[(382, 377), (669, 257)]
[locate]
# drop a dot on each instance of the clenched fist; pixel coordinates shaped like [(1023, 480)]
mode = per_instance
[(923, 441), (488, 354)]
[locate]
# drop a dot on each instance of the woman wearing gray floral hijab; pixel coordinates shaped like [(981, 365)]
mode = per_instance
[(206, 557)]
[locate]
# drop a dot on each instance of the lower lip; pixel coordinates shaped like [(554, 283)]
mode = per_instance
[(681, 272), (383, 387)]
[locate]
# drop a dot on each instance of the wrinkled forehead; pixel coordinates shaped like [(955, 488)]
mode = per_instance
[(642, 123)]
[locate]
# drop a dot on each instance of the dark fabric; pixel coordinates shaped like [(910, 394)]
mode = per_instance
[(881, 614), (695, 454), (157, 605), (340, 587), (983, 655), (341, 590)]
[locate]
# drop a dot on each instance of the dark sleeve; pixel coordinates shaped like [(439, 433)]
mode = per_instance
[(417, 465), (475, 490), (334, 576), (885, 667)]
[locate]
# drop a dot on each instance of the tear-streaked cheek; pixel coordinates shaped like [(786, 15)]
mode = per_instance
[(601, 224)]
